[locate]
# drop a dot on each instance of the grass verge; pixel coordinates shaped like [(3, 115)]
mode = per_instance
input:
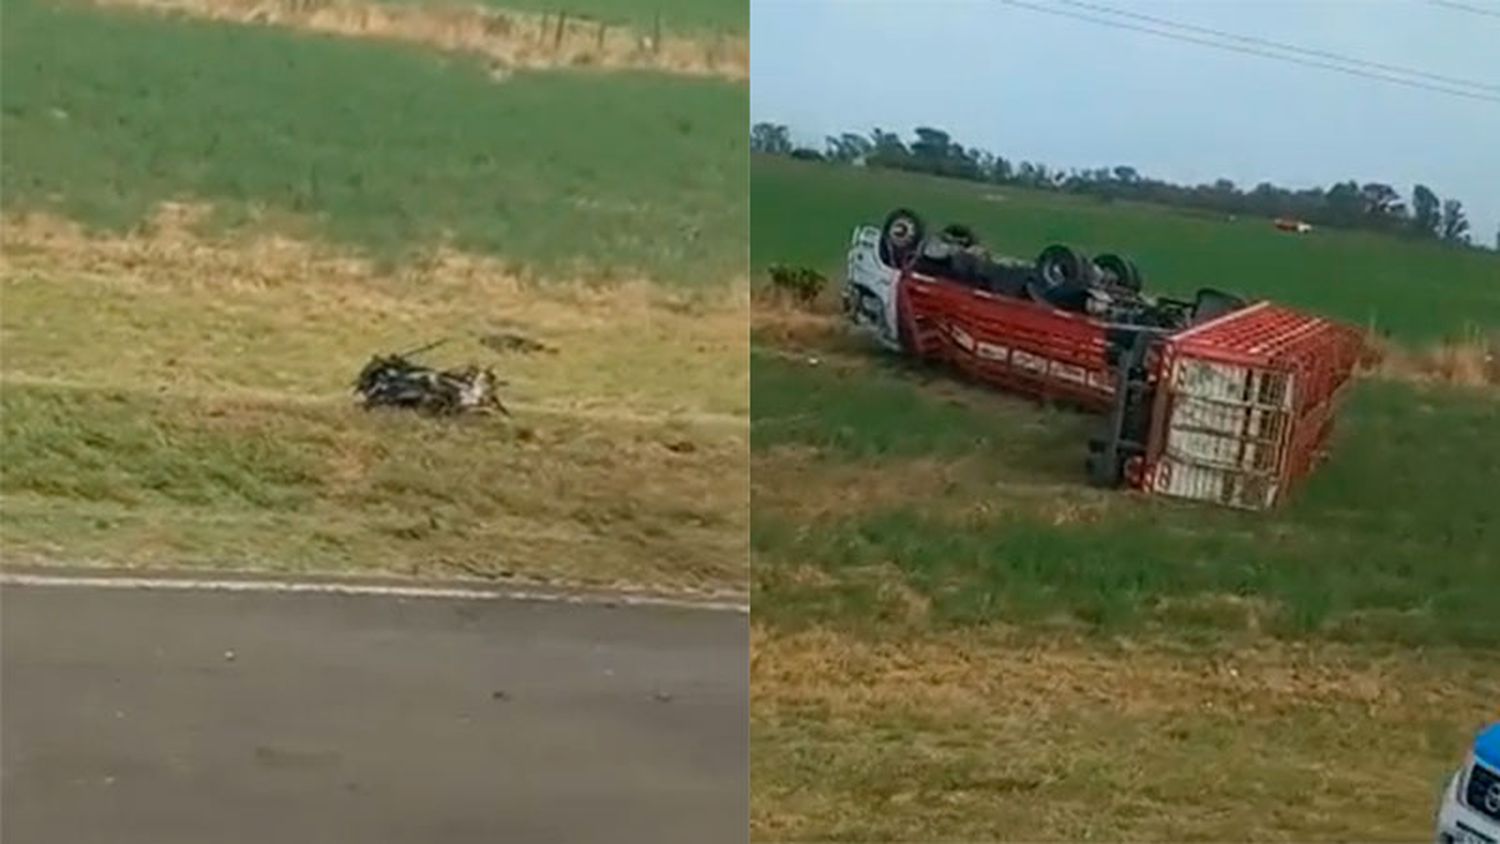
[(169, 399), (991, 736)]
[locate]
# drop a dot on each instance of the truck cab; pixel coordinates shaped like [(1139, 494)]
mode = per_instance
[(870, 288)]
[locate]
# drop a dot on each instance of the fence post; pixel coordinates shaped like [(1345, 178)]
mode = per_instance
[(600, 45), (562, 22)]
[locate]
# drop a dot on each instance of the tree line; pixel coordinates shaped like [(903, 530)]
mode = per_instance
[(1372, 205)]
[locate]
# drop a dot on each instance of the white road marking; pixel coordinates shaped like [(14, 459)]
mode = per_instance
[(365, 589)]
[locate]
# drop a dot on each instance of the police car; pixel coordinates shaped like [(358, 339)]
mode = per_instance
[(1470, 812)]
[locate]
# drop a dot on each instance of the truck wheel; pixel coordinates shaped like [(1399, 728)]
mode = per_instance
[(900, 236), (1060, 265), (1124, 271)]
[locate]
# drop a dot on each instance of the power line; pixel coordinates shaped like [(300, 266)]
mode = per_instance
[(1289, 48), (1465, 7), (1351, 71)]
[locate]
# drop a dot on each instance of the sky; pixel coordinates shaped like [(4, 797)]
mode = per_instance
[(1030, 85)]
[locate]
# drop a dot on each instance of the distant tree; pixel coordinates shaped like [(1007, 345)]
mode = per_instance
[(848, 148), (1455, 226), (886, 140), (1267, 200), (932, 146), (887, 150), (961, 163), (983, 161), (1426, 210), (1381, 200), (770, 138), (1369, 205), (807, 154), (934, 151), (1345, 203)]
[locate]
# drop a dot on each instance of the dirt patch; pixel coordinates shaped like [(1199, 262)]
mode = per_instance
[(508, 40), (788, 327)]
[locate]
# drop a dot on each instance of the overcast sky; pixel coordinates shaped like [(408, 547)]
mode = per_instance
[(1030, 85)]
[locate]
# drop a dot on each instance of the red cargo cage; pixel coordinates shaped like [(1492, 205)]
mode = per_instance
[(1238, 408), (1244, 405), (1019, 345)]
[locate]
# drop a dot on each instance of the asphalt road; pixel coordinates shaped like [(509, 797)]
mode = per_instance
[(140, 716)]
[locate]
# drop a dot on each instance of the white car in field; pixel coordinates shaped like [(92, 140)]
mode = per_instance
[(1470, 811)]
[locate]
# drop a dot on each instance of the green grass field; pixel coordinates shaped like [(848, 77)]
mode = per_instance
[(958, 639), (209, 228), (804, 213), (386, 148), (1396, 539)]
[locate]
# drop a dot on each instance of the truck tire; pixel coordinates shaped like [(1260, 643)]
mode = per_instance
[(1123, 270), (900, 236), (1060, 265)]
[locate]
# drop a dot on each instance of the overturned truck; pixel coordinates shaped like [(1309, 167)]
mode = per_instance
[(1213, 398)]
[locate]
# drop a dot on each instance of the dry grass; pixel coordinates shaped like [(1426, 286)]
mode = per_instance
[(508, 40), (781, 324), (270, 314), (791, 482), (1472, 361), (1005, 736), (166, 353)]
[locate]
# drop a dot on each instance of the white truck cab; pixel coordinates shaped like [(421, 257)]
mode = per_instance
[(870, 288), (1470, 811)]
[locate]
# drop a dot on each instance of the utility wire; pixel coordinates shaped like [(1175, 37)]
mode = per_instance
[(1351, 71), (1465, 7), (1289, 48)]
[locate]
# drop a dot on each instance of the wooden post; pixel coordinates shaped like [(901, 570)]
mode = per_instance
[(600, 42), (562, 22)]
